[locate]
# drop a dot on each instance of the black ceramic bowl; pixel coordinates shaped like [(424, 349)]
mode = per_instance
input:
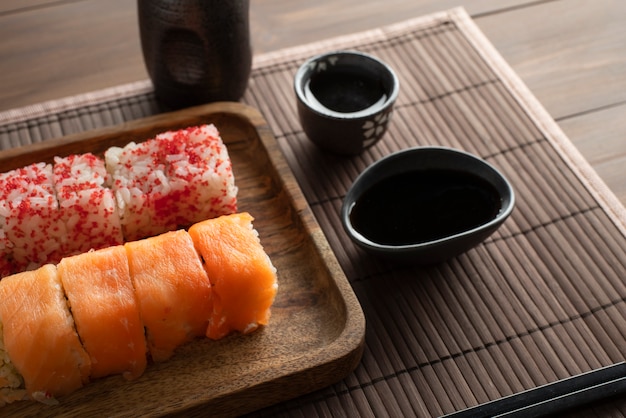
[(345, 99), (426, 204)]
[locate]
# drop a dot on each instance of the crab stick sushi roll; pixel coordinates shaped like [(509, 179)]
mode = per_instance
[(87, 206), (41, 356), (243, 277), (102, 300), (173, 180), (29, 217), (173, 291)]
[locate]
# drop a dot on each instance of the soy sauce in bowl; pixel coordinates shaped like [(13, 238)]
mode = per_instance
[(426, 204)]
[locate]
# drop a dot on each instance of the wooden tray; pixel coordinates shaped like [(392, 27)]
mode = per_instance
[(317, 328)]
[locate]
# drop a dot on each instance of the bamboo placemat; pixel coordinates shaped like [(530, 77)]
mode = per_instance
[(542, 299)]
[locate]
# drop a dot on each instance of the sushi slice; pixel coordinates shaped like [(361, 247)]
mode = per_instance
[(102, 300), (30, 217), (39, 338), (173, 180), (87, 206), (243, 277), (172, 288)]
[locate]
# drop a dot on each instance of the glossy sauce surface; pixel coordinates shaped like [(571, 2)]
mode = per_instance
[(344, 91), (424, 205)]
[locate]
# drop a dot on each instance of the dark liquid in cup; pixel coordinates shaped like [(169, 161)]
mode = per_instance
[(424, 205), (345, 92)]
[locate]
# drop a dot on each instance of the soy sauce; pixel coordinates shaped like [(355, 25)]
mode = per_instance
[(424, 205), (344, 91)]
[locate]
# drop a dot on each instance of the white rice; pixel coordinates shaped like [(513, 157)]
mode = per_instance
[(11, 383)]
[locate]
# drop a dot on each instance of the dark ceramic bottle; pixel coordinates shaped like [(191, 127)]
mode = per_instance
[(196, 51)]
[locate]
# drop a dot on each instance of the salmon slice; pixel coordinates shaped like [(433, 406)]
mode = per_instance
[(102, 301), (39, 334), (172, 288), (243, 277)]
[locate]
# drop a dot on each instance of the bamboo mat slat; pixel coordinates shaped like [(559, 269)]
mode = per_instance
[(542, 299)]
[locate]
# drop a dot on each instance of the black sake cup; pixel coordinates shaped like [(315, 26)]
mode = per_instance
[(345, 100)]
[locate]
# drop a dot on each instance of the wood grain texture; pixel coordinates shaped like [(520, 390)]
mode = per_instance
[(570, 55), (17, 6), (85, 45), (316, 331), (600, 138), (283, 23)]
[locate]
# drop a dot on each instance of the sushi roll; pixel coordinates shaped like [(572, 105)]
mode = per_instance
[(241, 272), (41, 356), (110, 311), (87, 206), (173, 291), (30, 218), (83, 202), (102, 300), (173, 180)]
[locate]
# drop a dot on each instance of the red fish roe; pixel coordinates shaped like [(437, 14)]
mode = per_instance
[(87, 206), (177, 178), (6, 266), (30, 217)]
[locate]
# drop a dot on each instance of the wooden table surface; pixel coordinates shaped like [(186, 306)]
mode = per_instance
[(570, 53)]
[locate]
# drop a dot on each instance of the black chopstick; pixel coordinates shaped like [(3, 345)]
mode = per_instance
[(555, 397)]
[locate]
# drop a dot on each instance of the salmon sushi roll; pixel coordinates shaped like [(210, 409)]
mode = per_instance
[(41, 356), (243, 277), (102, 300), (87, 206), (29, 216), (171, 181), (101, 313), (173, 291)]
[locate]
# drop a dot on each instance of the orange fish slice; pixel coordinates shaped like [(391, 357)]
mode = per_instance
[(102, 301), (39, 334), (243, 277), (172, 288)]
